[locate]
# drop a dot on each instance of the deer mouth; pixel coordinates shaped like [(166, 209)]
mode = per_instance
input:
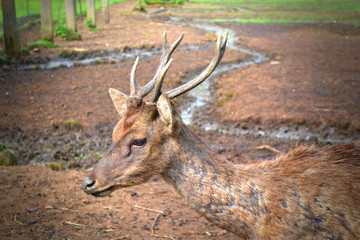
[(104, 192)]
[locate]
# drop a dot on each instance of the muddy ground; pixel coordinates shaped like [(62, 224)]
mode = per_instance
[(306, 91)]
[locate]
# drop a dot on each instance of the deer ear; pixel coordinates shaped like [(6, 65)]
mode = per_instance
[(165, 110), (119, 100)]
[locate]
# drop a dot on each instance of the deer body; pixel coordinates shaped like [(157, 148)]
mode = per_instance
[(310, 193)]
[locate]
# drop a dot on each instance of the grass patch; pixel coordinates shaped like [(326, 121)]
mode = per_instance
[(90, 25), (7, 158), (286, 11), (177, 2), (4, 58), (55, 166), (224, 97), (39, 44), (208, 6), (72, 124), (304, 5), (69, 35), (3, 148), (340, 123), (99, 156)]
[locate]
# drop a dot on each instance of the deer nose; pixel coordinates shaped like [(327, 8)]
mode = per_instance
[(88, 185)]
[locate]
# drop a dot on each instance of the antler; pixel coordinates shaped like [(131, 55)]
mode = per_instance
[(141, 92), (219, 53)]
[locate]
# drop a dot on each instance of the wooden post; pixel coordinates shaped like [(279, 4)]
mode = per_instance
[(105, 4), (70, 12), (90, 11), (11, 35), (46, 31)]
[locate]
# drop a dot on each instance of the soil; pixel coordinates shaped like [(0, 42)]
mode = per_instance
[(63, 118)]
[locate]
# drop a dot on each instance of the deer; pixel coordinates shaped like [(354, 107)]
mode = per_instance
[(311, 192)]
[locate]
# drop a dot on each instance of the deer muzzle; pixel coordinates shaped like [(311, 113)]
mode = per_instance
[(90, 187)]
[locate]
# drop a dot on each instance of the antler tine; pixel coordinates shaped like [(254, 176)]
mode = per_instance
[(157, 90), (133, 85), (219, 53), (165, 56)]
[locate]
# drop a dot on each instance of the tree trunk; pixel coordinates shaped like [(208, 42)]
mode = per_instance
[(11, 35), (90, 12), (70, 12), (47, 31), (105, 4)]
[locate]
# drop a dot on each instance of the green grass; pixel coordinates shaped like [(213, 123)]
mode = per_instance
[(356, 23), (58, 8), (306, 5), (62, 30), (41, 43), (38, 44), (258, 11), (290, 11)]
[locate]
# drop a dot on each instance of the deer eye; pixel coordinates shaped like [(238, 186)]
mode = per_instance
[(139, 142)]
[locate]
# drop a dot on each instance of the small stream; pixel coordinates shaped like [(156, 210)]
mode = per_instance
[(107, 57), (202, 96), (201, 93)]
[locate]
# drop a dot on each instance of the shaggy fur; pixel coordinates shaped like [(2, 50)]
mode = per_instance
[(309, 193)]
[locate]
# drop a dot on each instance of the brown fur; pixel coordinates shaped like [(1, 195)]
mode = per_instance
[(311, 192)]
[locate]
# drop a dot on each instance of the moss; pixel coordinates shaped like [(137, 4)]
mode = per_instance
[(64, 53), (72, 124), (37, 67), (340, 123), (224, 97), (229, 95), (90, 25), (140, 6), (7, 158), (55, 166), (4, 58), (221, 102)]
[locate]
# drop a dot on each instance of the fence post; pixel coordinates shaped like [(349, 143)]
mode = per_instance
[(105, 4), (70, 12), (90, 11), (11, 35), (46, 31)]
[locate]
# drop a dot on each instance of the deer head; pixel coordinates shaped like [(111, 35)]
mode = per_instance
[(145, 139)]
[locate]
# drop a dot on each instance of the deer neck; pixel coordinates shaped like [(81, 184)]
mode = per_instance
[(211, 185)]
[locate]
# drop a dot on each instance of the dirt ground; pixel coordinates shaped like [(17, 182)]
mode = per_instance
[(65, 116)]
